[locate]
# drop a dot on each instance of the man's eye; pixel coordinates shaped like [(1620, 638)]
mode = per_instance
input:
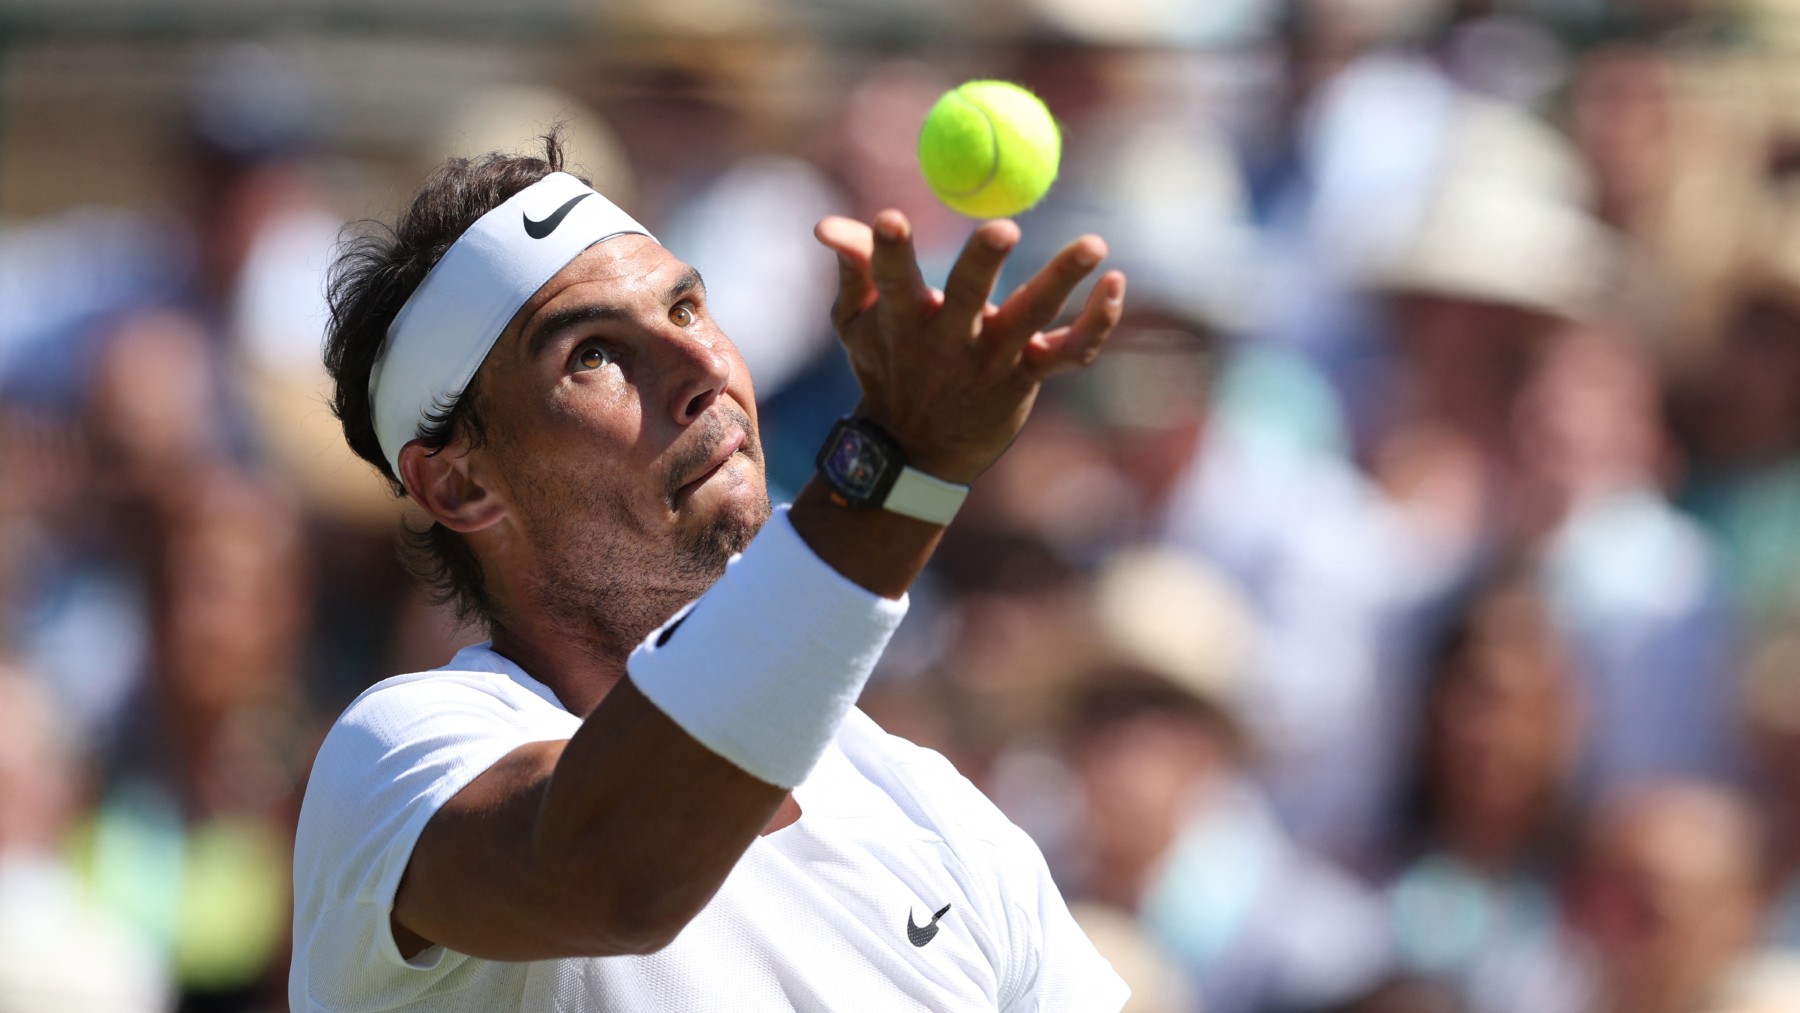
[(593, 357), (682, 314)]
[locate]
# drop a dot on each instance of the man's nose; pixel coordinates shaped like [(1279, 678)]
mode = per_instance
[(701, 373)]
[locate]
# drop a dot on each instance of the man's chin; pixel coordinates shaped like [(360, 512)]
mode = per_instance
[(724, 525)]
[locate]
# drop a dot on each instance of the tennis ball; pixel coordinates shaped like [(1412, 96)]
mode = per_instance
[(989, 149)]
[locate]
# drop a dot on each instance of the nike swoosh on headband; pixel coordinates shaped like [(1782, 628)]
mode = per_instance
[(538, 230)]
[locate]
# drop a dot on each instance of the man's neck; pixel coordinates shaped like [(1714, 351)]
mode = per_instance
[(578, 671)]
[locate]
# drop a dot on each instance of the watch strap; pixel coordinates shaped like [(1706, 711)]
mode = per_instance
[(922, 497)]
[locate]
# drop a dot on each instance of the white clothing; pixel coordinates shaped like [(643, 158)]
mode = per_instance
[(814, 916), (1639, 591)]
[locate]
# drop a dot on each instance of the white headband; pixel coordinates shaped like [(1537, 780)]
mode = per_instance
[(445, 330)]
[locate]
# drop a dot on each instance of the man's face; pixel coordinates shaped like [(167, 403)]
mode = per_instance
[(622, 437)]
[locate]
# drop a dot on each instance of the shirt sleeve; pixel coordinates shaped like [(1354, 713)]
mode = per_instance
[(393, 759)]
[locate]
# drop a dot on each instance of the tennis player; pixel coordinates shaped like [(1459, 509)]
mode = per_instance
[(651, 789)]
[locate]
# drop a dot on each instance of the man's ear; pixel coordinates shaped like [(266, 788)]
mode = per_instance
[(451, 486)]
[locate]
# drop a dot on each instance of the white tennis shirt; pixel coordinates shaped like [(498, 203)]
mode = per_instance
[(815, 916)]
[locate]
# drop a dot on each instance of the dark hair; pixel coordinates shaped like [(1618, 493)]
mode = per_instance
[(376, 271), (1113, 694)]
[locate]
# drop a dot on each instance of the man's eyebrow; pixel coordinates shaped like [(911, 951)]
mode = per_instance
[(552, 326), (688, 282)]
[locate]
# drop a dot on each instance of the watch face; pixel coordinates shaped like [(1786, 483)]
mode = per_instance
[(857, 464)]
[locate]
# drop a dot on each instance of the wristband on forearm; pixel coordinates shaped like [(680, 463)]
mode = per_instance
[(765, 665)]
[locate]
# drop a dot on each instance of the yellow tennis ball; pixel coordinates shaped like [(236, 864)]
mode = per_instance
[(989, 149)]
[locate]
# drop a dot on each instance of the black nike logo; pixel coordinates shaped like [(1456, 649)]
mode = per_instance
[(669, 631), (538, 230), (919, 935)]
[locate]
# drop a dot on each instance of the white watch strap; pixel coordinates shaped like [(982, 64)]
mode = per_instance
[(920, 496)]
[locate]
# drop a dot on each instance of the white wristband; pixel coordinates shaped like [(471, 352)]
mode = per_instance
[(765, 665), (924, 497)]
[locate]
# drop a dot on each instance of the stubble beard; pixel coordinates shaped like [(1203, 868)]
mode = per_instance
[(612, 580)]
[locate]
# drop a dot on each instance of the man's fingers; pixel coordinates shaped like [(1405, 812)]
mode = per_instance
[(1079, 344), (894, 265), (845, 236), (972, 280), (854, 244), (1037, 302)]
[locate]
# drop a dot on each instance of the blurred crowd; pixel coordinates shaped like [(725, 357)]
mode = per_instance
[(1403, 615)]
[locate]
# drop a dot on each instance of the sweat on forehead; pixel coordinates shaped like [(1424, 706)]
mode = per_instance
[(441, 336)]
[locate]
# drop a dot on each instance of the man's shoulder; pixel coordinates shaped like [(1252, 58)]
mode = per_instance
[(402, 748), (476, 682), (882, 756), (925, 784), (411, 690), (437, 723)]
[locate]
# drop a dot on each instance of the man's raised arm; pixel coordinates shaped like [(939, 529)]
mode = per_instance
[(612, 841)]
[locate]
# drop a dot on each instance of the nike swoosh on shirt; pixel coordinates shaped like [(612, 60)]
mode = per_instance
[(919, 935), (538, 230)]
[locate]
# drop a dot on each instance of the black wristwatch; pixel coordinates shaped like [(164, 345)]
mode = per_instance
[(865, 467)]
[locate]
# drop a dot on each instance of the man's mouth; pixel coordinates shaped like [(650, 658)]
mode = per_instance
[(709, 467)]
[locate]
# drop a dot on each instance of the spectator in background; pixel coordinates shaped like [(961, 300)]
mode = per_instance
[(1340, 585), (1637, 585), (1772, 717), (1661, 909), (1680, 141), (191, 835), (1518, 431), (1502, 252), (149, 425), (1666, 899), (138, 358), (1741, 420), (1496, 776), (1340, 161), (1173, 828), (164, 591), (59, 952), (1232, 451), (1406, 994), (1009, 608), (1767, 985)]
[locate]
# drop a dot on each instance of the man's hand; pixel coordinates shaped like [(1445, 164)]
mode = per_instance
[(949, 375)]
